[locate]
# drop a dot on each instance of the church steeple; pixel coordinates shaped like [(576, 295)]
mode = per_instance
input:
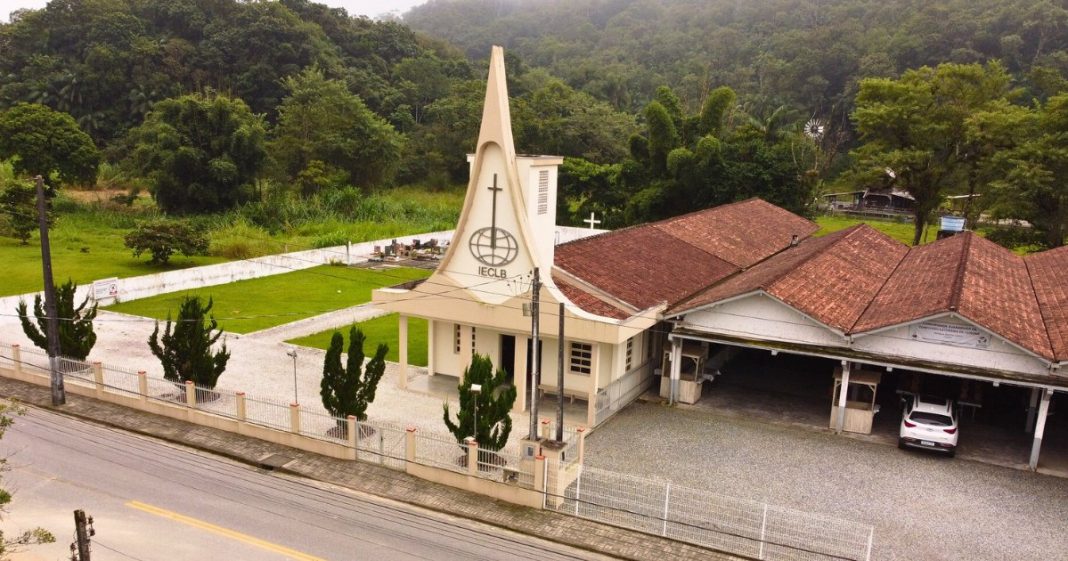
[(507, 226)]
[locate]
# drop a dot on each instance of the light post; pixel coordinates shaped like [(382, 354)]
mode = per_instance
[(293, 355), (476, 389)]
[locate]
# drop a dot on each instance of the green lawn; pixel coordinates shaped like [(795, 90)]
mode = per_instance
[(379, 330), (252, 305), (84, 249), (901, 231)]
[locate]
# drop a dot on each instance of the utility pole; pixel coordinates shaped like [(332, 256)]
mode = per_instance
[(83, 530), (535, 354), (560, 381), (59, 396)]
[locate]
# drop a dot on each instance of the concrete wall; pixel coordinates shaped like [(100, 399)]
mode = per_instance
[(501, 491), (145, 286)]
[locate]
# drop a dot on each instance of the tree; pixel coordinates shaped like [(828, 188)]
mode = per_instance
[(201, 153), (162, 238), (492, 403), (18, 209), (1030, 175), (29, 537), (47, 142), (348, 390), (915, 128), (321, 121), (76, 334), (185, 352)]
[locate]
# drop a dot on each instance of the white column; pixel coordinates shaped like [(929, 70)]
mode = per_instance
[(595, 381), (676, 369), (842, 391), (402, 349), (520, 369), (431, 350), (1040, 427)]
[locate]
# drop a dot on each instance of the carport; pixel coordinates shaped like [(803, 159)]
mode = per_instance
[(962, 313)]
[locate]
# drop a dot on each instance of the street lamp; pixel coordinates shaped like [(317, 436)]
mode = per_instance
[(293, 355), (475, 389)]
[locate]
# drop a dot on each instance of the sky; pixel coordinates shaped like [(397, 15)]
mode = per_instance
[(370, 8)]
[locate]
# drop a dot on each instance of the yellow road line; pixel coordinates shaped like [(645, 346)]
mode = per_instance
[(219, 530)]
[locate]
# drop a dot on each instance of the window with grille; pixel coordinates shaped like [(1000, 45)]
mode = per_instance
[(543, 191), (630, 354), (456, 338), (581, 358), (472, 339)]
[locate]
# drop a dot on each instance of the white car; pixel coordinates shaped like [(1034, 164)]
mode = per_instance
[(929, 422)]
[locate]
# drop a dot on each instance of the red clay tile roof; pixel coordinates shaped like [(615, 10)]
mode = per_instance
[(641, 266), (831, 279), (741, 233), (669, 260), (971, 276), (1050, 280), (589, 302)]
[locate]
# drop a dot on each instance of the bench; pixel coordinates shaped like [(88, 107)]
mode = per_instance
[(568, 393)]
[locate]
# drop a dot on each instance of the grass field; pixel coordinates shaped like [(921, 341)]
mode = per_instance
[(252, 305), (379, 330), (84, 248), (87, 239), (901, 231)]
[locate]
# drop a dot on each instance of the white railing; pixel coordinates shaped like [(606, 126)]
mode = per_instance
[(621, 392), (749, 528)]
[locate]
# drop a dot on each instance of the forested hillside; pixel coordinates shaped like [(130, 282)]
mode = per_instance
[(270, 108), (808, 54)]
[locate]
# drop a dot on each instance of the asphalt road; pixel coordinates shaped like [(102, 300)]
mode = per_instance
[(156, 501)]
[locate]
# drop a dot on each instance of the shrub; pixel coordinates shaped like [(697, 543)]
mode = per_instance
[(185, 351), (76, 335), (162, 238), (348, 390), (491, 405)]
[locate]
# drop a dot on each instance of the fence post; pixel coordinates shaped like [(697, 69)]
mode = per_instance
[(98, 378), (871, 538), (409, 444), (350, 433), (472, 457), (190, 393), (667, 501), (242, 411), (16, 356), (294, 418), (578, 488), (142, 385), (539, 475), (763, 530), (581, 445)]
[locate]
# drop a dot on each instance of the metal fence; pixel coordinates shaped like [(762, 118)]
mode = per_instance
[(621, 392), (738, 526)]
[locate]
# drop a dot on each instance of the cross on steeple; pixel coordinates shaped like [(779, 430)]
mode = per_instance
[(592, 221), (493, 217)]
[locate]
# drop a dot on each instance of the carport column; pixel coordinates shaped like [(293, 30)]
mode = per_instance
[(1040, 427), (842, 391), (1032, 408), (595, 383), (676, 369), (402, 349)]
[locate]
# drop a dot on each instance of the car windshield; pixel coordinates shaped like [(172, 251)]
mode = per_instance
[(930, 419)]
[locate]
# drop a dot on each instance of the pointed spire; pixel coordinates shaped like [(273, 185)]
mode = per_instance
[(496, 118)]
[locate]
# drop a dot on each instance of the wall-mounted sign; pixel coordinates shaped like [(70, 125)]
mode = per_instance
[(105, 289), (946, 333)]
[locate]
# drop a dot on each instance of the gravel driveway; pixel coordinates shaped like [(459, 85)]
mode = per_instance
[(922, 507)]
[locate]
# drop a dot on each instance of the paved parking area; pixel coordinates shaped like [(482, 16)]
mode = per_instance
[(922, 506)]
